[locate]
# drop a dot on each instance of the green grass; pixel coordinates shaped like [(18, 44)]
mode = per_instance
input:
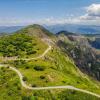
[(11, 89), (21, 45), (74, 95), (64, 73), (59, 69)]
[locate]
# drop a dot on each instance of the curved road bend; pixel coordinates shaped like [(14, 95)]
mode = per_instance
[(49, 87)]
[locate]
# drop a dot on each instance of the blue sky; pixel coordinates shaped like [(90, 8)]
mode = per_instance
[(20, 12)]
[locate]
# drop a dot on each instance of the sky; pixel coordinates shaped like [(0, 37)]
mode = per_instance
[(50, 12)]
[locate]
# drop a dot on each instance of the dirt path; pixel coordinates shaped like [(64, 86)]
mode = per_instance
[(49, 87), (44, 88)]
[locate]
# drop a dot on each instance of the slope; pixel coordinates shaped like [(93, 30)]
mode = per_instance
[(53, 69)]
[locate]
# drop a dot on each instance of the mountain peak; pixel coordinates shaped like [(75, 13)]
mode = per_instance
[(35, 25), (36, 30)]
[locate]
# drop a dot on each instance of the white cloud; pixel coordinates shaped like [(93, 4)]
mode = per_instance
[(92, 12), (53, 21), (91, 17)]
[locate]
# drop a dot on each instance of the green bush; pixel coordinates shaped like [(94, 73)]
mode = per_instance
[(16, 45), (39, 68), (24, 78), (42, 77)]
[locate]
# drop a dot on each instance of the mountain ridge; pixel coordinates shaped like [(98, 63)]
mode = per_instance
[(80, 29), (55, 68)]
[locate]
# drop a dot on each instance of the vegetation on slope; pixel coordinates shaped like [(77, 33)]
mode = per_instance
[(83, 54), (36, 30), (10, 89), (20, 45), (55, 68), (16, 45)]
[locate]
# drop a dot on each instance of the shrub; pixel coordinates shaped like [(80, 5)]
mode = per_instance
[(27, 67), (24, 78), (64, 81), (33, 85), (39, 68), (42, 77), (16, 45), (25, 98), (31, 52)]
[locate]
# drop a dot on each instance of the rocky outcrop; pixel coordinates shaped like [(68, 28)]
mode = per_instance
[(85, 57)]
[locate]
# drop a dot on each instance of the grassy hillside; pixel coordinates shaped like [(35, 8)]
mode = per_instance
[(86, 58), (36, 30), (21, 45), (54, 69), (10, 89)]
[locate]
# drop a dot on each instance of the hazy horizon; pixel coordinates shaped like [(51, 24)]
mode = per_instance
[(49, 12)]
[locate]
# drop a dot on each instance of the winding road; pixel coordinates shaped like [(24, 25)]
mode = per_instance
[(38, 57), (48, 41), (49, 87)]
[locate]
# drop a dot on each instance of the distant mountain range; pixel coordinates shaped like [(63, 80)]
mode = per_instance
[(9, 29), (81, 29)]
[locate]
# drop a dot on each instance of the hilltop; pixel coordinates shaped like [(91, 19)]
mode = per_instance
[(44, 60), (35, 30)]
